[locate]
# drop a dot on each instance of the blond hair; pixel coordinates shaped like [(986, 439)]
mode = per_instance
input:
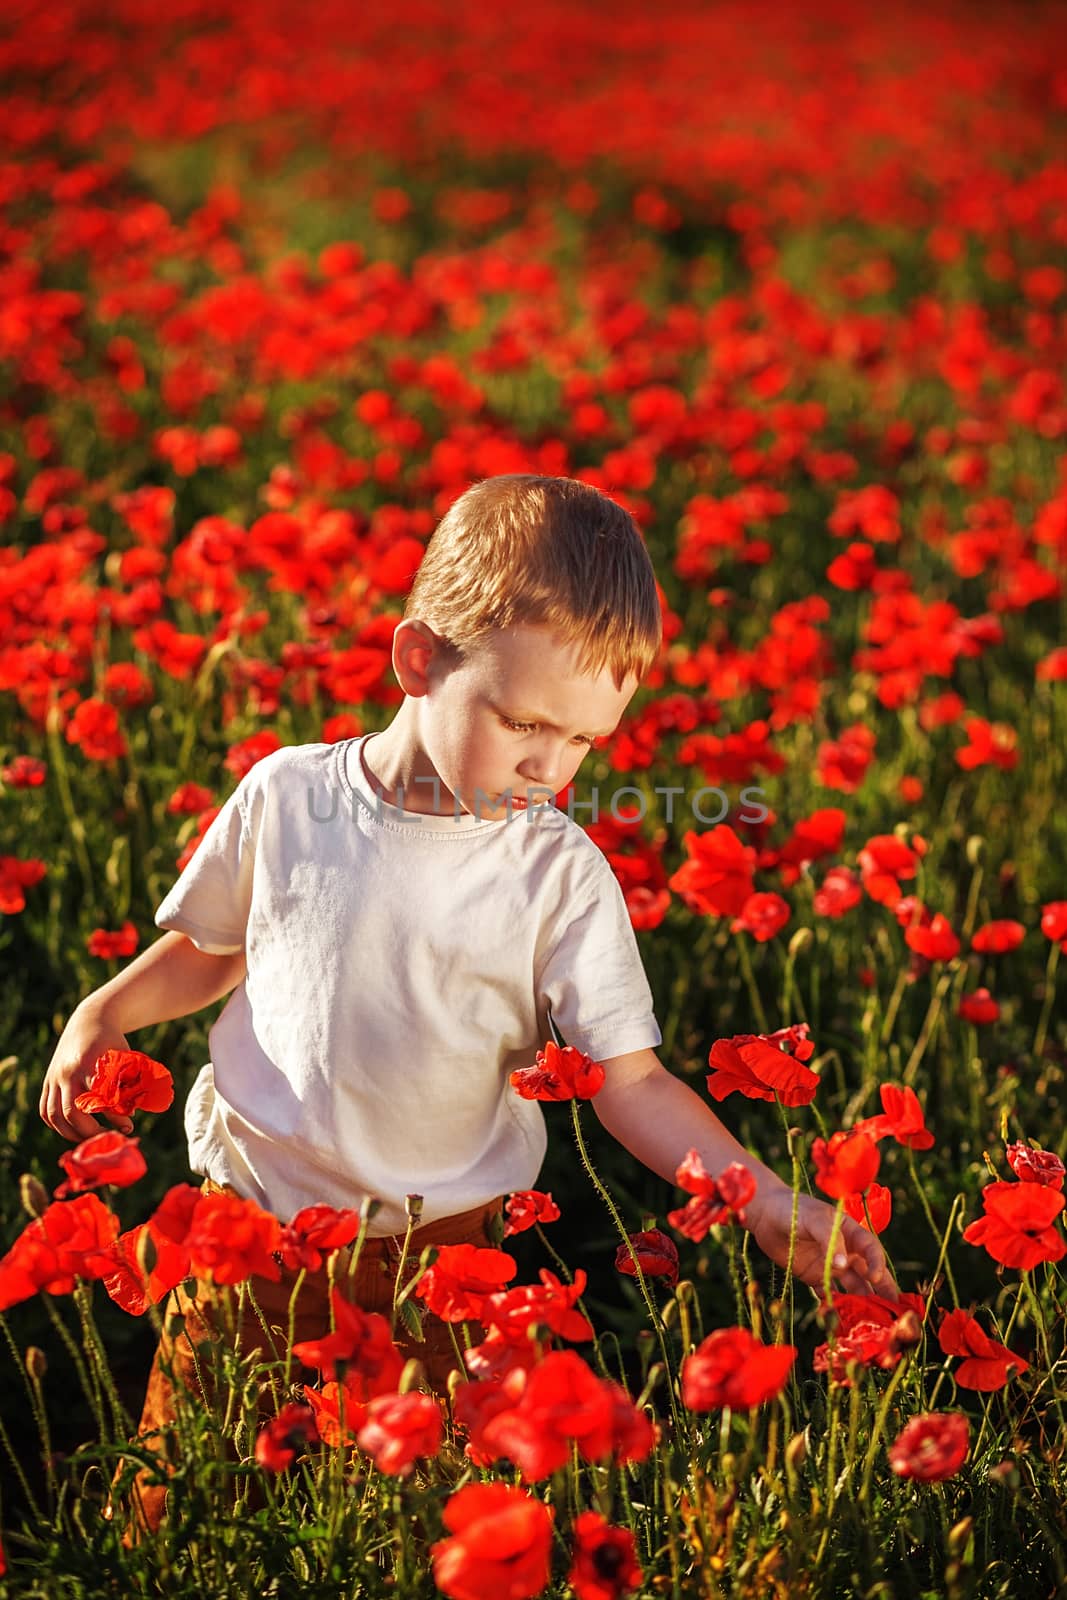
[(526, 549)]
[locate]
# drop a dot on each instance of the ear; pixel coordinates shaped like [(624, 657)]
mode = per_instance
[(416, 649)]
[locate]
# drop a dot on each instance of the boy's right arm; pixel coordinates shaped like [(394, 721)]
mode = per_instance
[(170, 979)]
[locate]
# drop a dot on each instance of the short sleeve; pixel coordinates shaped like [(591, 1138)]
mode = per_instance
[(592, 976), (210, 901)]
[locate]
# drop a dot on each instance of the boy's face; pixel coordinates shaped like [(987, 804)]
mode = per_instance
[(516, 714)]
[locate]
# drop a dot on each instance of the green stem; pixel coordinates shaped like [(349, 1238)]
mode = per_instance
[(879, 1425), (1047, 1001), (750, 982), (942, 1239)]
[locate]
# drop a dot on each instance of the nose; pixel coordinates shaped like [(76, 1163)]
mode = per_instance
[(541, 765)]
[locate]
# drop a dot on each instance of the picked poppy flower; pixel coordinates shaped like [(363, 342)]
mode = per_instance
[(1034, 1165), (656, 1252), (461, 1278), (314, 1233), (714, 1200), (935, 942), (731, 1368), (979, 1008), (109, 945), (285, 1436), (604, 1564), (931, 1447), (757, 1066), (996, 938), (846, 1163), (108, 1157), (400, 1429), (901, 1117), (987, 1364), (123, 1081), (1017, 1228), (231, 1239), (361, 1343), (500, 1546), (526, 1207), (879, 1207), (560, 1072)]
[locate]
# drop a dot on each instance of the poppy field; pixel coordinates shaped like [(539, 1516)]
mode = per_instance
[(275, 288)]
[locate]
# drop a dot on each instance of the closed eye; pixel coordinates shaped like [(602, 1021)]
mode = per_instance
[(531, 727)]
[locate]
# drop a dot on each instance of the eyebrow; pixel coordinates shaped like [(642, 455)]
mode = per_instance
[(546, 722)]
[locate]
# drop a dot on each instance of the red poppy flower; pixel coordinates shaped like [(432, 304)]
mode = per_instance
[(243, 756), (838, 893), (400, 1429), (936, 942), (979, 1008), (316, 1232), (731, 1368), (655, 1250), (762, 915), (232, 1239), (879, 1206), (931, 1447), (715, 1200), (285, 1436), (605, 1564), (188, 799), (105, 1158), (868, 1343), (812, 838), (987, 1364), (883, 861), (995, 938), (328, 1404), (109, 945), (501, 1544), (988, 744), (717, 878), (15, 876), (173, 1217), (1053, 921), (1034, 1165), (1017, 1228), (71, 1239), (362, 1343), (512, 1313), (462, 1275), (755, 1066), (842, 764), (94, 727), (846, 1163), (123, 1081), (559, 1073), (526, 1207), (25, 772), (145, 1266), (901, 1117)]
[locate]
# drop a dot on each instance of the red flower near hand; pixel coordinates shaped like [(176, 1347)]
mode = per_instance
[(71, 1239), (105, 1158), (988, 1365), (715, 1200), (1034, 1165), (362, 1343), (931, 1447), (124, 1081), (718, 877), (902, 1117), (559, 1073), (284, 1437), (461, 1278), (230, 1239), (755, 1066), (879, 1207), (846, 1163), (316, 1232), (501, 1544), (605, 1564), (655, 1250), (935, 942), (1017, 1226), (400, 1429), (526, 1207), (731, 1368)]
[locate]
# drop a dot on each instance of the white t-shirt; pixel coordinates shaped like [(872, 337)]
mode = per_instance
[(399, 968)]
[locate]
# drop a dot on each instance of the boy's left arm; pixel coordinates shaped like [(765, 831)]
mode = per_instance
[(658, 1118)]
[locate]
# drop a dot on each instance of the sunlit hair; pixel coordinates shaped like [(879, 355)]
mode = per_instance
[(544, 551)]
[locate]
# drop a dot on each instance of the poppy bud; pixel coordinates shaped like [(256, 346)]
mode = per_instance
[(958, 1536), (975, 848), (413, 1206), (33, 1194), (36, 1363), (796, 1451), (369, 1208), (800, 941), (413, 1376)]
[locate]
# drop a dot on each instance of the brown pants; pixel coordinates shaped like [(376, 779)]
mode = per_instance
[(176, 1365)]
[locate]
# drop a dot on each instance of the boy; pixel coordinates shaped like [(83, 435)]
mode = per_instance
[(397, 914)]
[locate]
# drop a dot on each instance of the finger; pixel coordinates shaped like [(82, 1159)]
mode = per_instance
[(861, 1243), (119, 1120), (80, 1124)]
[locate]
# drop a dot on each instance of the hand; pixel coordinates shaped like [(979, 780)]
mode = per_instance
[(87, 1035), (859, 1264)]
